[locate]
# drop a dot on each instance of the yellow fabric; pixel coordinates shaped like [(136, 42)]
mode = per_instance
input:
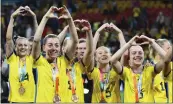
[(46, 90), (112, 94), (159, 89), (28, 84), (168, 80), (79, 81), (46, 85), (147, 83)]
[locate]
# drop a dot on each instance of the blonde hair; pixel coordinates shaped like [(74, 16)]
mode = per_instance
[(19, 39), (160, 42)]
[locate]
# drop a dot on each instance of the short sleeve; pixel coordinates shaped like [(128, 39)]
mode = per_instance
[(168, 77), (151, 71), (93, 74), (39, 61), (11, 58), (125, 72)]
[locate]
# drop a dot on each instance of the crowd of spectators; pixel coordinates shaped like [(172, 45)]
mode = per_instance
[(152, 18)]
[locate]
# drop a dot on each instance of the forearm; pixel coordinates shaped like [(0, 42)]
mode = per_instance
[(159, 50), (159, 66), (96, 38), (35, 23), (121, 39), (89, 42), (9, 40), (72, 44), (120, 52), (73, 31), (63, 33), (89, 49), (10, 29), (39, 31)]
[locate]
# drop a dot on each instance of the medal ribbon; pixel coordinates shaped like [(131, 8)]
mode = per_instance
[(22, 73), (71, 76), (103, 83), (137, 86), (71, 82), (55, 77)]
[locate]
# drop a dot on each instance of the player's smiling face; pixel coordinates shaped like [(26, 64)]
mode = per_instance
[(22, 47), (136, 56), (52, 48), (103, 55)]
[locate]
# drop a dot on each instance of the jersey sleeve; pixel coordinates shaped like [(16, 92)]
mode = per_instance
[(151, 71), (93, 74), (168, 77), (11, 58), (39, 61), (113, 75), (125, 73)]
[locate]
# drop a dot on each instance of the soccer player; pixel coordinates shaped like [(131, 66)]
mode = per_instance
[(159, 86), (55, 76), (167, 72), (138, 79), (105, 79), (83, 58), (20, 64)]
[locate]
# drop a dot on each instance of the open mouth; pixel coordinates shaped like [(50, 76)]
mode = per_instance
[(22, 50), (53, 52), (104, 58), (138, 58)]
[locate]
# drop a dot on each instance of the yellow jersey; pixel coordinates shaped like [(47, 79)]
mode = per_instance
[(146, 94), (27, 83), (79, 69), (46, 85), (168, 81), (111, 93), (159, 89)]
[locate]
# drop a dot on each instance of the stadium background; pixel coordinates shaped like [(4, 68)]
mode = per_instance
[(153, 18)]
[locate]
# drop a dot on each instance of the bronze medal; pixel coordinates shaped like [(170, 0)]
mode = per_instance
[(57, 99), (21, 90), (75, 98), (102, 101)]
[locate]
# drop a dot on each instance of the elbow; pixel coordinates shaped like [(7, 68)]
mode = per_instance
[(8, 38), (89, 51), (36, 40), (113, 61), (75, 41)]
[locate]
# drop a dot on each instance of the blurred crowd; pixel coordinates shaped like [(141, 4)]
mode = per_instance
[(151, 18)]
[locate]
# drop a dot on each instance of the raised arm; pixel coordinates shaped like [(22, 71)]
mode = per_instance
[(63, 33), (9, 34), (154, 45), (114, 59), (36, 48), (120, 34), (72, 44), (168, 64), (159, 65), (97, 35), (121, 40), (31, 13), (89, 54)]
